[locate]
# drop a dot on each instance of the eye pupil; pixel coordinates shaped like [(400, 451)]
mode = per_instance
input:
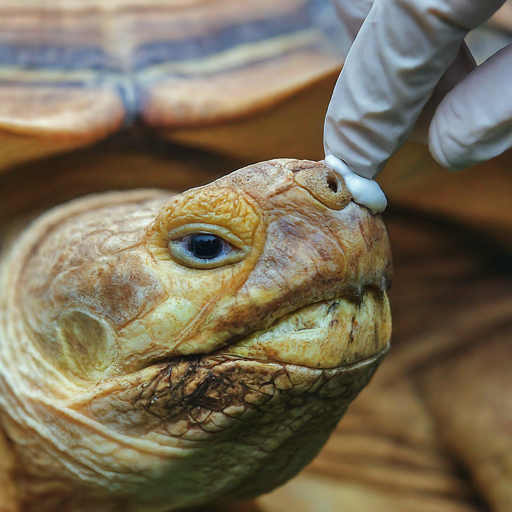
[(205, 247)]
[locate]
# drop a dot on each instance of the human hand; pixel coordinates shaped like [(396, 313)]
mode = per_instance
[(400, 53)]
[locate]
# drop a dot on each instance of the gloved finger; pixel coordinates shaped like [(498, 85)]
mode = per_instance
[(402, 50), (352, 13), (474, 121), (459, 69)]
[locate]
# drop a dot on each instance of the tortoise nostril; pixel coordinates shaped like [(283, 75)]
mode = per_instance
[(325, 185), (332, 183)]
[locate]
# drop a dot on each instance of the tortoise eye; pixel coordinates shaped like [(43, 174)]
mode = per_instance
[(211, 248), (205, 246)]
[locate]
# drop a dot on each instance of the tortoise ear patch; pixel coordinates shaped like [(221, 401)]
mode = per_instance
[(87, 345)]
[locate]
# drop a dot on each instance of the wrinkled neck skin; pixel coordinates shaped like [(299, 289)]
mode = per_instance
[(135, 378)]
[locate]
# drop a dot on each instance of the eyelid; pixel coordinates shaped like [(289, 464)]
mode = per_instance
[(180, 254), (207, 229)]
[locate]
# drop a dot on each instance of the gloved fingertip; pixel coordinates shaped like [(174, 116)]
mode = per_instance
[(439, 142), (364, 191)]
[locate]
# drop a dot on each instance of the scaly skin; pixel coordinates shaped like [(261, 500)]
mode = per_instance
[(135, 380)]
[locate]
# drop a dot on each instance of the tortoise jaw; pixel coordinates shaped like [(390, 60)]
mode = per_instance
[(331, 333), (339, 342), (191, 398), (327, 334), (337, 334)]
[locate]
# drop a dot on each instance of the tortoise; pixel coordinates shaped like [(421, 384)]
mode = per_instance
[(161, 351), (402, 446)]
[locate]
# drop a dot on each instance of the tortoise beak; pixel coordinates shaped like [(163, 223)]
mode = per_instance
[(327, 334)]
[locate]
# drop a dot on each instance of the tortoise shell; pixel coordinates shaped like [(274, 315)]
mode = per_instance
[(72, 73)]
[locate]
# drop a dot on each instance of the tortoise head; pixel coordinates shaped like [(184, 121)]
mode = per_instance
[(166, 351)]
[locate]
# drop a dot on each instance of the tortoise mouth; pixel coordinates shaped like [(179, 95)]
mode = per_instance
[(331, 333), (189, 399), (327, 334), (335, 344)]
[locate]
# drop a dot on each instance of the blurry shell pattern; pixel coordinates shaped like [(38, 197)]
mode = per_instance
[(73, 72)]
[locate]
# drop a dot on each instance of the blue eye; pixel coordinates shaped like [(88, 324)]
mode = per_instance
[(205, 246)]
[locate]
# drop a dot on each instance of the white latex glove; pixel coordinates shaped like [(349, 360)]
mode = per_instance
[(399, 55)]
